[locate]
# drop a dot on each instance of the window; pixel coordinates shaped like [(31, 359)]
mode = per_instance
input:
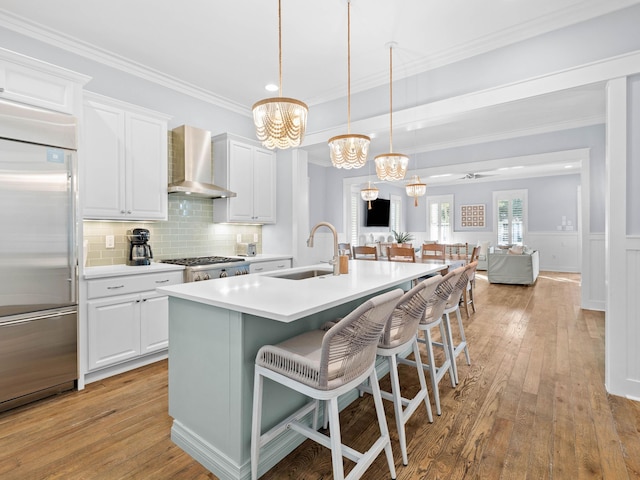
[(354, 215), (395, 213), (510, 207), (440, 218)]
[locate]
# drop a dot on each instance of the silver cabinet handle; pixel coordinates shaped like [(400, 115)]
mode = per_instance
[(259, 269), (162, 281), (280, 266), (115, 287)]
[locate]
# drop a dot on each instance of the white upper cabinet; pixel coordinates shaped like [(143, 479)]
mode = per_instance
[(30, 81), (123, 160), (249, 170)]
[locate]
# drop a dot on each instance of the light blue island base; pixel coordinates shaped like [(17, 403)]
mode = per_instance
[(216, 328), (211, 361)]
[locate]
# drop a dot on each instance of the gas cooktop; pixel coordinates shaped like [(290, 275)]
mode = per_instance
[(198, 261)]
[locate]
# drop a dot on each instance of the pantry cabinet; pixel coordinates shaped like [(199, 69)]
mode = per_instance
[(124, 161), (126, 318), (33, 82), (249, 170)]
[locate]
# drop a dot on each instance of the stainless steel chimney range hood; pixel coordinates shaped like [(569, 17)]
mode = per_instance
[(191, 164)]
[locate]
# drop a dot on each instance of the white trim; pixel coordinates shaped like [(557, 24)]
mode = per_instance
[(432, 113), (105, 57), (618, 344)]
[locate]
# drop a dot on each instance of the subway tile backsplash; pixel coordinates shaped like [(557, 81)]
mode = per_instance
[(189, 232)]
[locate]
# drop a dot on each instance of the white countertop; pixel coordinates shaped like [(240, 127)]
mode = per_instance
[(118, 270), (288, 300)]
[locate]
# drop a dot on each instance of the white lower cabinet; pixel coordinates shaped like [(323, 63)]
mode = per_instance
[(130, 324), (269, 265)]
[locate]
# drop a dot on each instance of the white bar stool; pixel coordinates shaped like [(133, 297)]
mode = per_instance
[(399, 335), (453, 305), (324, 365), (432, 319)]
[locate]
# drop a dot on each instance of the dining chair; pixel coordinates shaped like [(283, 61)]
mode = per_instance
[(324, 365), (365, 253), (401, 254), (398, 337), (475, 253), (346, 247), (433, 251), (433, 319)]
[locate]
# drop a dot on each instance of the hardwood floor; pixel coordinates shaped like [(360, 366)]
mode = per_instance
[(532, 405)]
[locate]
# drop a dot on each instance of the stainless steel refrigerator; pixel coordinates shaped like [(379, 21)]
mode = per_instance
[(38, 274)]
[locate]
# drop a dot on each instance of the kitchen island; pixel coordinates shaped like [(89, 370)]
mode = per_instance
[(215, 330)]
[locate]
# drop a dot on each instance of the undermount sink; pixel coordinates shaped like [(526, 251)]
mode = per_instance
[(303, 274)]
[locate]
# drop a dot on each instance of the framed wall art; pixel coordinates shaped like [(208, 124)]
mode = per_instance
[(472, 215)]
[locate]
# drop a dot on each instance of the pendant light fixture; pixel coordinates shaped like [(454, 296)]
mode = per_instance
[(350, 150), (369, 194), (391, 166), (280, 122), (415, 188)]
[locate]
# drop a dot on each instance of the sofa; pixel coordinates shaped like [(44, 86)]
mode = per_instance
[(483, 253), (515, 269)]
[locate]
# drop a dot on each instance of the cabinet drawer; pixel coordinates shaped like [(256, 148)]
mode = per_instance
[(106, 287), (260, 267)]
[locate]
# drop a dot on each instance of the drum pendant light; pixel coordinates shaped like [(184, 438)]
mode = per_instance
[(391, 166), (369, 194), (280, 122), (350, 150), (415, 188)]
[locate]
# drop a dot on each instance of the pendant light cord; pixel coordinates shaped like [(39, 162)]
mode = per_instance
[(348, 67), (390, 98), (280, 47)]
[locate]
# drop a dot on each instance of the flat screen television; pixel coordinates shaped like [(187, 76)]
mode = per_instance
[(378, 216)]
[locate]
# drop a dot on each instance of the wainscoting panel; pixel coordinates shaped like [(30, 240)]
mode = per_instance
[(559, 251), (633, 313), (594, 294)]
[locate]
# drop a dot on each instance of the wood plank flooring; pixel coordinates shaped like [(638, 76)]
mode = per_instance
[(532, 405)]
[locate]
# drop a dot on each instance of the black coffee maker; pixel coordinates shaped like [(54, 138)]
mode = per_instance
[(139, 248)]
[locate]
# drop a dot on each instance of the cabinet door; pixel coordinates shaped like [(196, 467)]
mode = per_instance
[(34, 87), (154, 323), (102, 160), (264, 186), (113, 329), (146, 171), (241, 182)]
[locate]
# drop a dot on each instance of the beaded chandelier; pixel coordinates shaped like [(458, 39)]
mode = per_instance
[(280, 122)]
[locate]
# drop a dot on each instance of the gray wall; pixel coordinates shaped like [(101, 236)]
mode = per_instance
[(114, 83), (633, 159), (549, 199), (593, 138), (585, 42)]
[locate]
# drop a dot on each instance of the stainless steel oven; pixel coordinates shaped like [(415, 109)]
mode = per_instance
[(209, 268)]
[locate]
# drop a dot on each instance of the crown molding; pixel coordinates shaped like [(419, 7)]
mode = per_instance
[(566, 17), (74, 45)]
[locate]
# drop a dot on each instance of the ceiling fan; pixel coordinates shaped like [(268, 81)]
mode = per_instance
[(474, 175)]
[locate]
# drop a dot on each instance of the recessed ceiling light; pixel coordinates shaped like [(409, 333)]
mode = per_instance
[(272, 87), (568, 166), (441, 175)]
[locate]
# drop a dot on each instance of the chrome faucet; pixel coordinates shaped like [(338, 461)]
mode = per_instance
[(334, 261)]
